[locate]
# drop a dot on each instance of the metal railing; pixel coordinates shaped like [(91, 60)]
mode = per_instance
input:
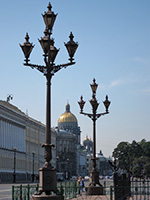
[(23, 192), (67, 190), (139, 189)]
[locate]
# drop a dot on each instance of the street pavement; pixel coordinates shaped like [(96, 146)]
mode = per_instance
[(93, 197), (5, 191)]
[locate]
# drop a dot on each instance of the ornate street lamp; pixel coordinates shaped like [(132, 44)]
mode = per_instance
[(47, 174), (14, 174), (94, 175), (9, 97)]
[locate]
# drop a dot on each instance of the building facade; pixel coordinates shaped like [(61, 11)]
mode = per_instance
[(82, 165), (66, 153), (21, 154), (88, 145), (103, 165)]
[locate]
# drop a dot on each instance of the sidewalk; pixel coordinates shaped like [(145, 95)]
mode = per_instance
[(93, 197)]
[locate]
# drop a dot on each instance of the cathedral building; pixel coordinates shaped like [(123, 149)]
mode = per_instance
[(71, 155), (66, 153), (68, 137), (88, 144)]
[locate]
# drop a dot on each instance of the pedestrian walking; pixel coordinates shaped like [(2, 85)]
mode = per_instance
[(80, 184)]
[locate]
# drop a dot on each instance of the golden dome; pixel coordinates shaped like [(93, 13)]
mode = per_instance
[(86, 138), (67, 116)]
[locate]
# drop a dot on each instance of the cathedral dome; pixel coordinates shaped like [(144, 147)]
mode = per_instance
[(86, 138), (67, 121), (67, 117)]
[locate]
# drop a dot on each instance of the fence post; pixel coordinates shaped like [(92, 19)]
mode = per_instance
[(73, 189), (104, 187), (61, 191), (37, 187), (13, 191), (20, 192), (111, 192), (28, 193)]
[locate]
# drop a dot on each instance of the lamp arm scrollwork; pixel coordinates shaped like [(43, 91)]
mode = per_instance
[(58, 67), (87, 114), (53, 68), (100, 114), (38, 67)]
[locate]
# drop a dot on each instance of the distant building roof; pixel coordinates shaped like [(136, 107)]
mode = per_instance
[(11, 107)]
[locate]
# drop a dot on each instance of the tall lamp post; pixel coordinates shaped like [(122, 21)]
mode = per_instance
[(94, 175), (68, 169), (47, 174), (33, 154), (14, 174)]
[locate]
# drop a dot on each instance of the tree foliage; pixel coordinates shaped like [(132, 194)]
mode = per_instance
[(134, 157)]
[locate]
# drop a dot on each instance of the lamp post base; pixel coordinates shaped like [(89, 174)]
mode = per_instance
[(47, 186), (47, 197), (94, 178), (48, 182), (94, 190), (14, 177)]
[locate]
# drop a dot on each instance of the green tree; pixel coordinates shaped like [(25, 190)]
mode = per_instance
[(140, 166), (146, 147), (122, 154), (136, 150), (147, 169), (134, 157)]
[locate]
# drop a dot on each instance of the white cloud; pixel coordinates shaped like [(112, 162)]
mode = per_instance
[(115, 83), (147, 91), (141, 60), (123, 81), (120, 82)]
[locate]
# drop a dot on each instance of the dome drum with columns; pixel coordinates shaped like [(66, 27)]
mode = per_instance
[(67, 121), (88, 144)]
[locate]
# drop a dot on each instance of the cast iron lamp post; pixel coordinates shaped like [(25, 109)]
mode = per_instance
[(68, 169), (48, 173), (33, 154), (14, 174), (94, 175)]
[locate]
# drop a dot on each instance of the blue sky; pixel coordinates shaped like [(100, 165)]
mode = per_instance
[(114, 48)]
